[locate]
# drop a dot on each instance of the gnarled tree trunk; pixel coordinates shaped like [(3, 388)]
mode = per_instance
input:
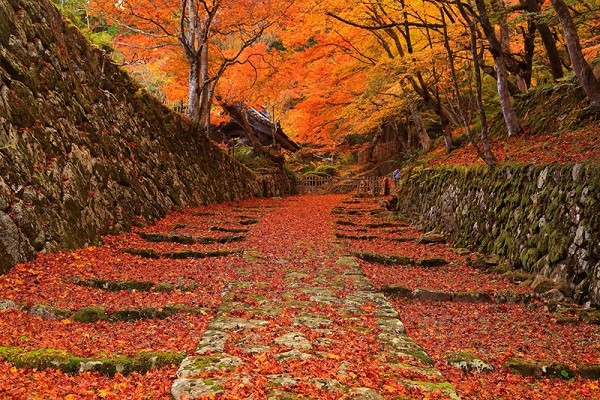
[(587, 79)]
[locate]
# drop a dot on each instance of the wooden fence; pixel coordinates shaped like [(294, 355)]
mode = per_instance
[(364, 186), (315, 184)]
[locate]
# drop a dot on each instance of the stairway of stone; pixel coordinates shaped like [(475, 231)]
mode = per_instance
[(305, 322)]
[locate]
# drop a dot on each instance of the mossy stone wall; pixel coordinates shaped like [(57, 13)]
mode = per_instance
[(84, 151), (544, 219)]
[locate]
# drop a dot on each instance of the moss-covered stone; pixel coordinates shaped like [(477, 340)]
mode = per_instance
[(90, 314), (249, 221), (432, 262), (385, 259), (467, 361), (145, 253), (189, 239), (355, 237), (539, 369), (537, 217), (64, 361), (589, 371), (199, 254), (397, 291), (589, 316), (227, 229)]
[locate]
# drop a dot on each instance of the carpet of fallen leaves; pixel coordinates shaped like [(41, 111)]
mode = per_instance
[(495, 332), (48, 280), (564, 147)]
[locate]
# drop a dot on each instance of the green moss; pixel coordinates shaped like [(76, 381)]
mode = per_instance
[(164, 287), (145, 253), (140, 286), (90, 314), (396, 291), (558, 246), (355, 237), (528, 258), (433, 262), (421, 355), (68, 363), (199, 254), (385, 259), (47, 358), (226, 229), (248, 222)]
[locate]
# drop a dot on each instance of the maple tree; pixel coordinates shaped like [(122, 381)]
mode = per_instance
[(334, 68), (214, 35)]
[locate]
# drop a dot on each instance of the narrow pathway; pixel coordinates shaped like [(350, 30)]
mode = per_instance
[(306, 323), (307, 297)]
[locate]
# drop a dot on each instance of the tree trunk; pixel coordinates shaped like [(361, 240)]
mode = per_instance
[(194, 91), (551, 51), (424, 138), (239, 115), (589, 82), (464, 114), (510, 117), (371, 149), (205, 104)]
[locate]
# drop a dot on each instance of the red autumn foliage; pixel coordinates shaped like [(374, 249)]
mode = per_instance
[(295, 233)]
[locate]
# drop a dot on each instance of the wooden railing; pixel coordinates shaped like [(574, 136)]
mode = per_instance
[(364, 186), (314, 184)]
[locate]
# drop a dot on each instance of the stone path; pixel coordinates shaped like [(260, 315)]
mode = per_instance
[(306, 323)]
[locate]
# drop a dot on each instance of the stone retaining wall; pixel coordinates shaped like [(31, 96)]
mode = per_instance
[(544, 219), (84, 151)]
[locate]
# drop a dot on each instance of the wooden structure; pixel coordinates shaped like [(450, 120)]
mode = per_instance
[(243, 120), (315, 184), (364, 186)]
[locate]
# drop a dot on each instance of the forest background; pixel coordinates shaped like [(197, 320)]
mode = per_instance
[(341, 71)]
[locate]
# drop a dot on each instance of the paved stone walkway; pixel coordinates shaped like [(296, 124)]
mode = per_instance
[(306, 323)]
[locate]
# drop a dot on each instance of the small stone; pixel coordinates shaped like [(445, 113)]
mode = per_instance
[(212, 341), (8, 304), (430, 238), (467, 361), (327, 384), (294, 354), (463, 251), (542, 178), (188, 389), (194, 365), (295, 340), (48, 312), (576, 172), (89, 366), (541, 284), (553, 295), (391, 325), (431, 295), (282, 380), (579, 236), (492, 260), (364, 394), (311, 321)]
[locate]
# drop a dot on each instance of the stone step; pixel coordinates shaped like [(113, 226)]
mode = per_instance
[(308, 325), (501, 297), (183, 254)]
